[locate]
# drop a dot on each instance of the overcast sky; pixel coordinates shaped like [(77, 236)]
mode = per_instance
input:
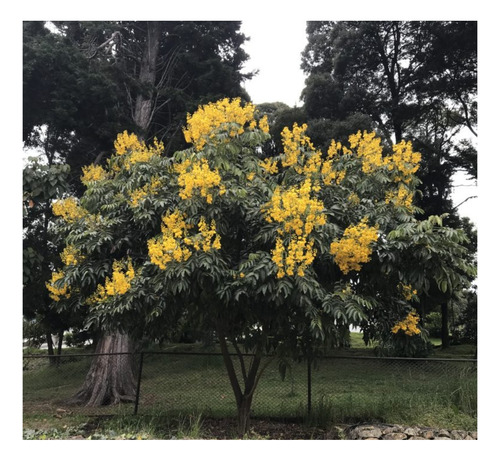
[(275, 49)]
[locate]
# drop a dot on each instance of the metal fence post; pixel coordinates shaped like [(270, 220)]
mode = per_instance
[(138, 391), (309, 390)]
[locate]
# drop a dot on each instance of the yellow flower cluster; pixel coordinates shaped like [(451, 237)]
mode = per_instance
[(369, 149), (138, 151), (407, 291), (353, 199), (404, 162), (71, 256), (127, 143), (54, 292), (228, 115), (354, 246), (118, 284), (148, 190), (175, 243), (295, 209), (194, 174), (298, 214), (408, 325), (294, 141), (93, 173), (403, 197), (68, 209), (295, 258), (330, 174), (269, 166)]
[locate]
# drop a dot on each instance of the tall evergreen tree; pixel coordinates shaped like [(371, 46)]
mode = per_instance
[(86, 81), (414, 79)]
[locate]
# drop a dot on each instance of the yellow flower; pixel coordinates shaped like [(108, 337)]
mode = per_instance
[(402, 198), (148, 190), (408, 325), (175, 242), (196, 175), (369, 149), (224, 116), (127, 142), (295, 141), (93, 173), (407, 291), (130, 149), (354, 246), (269, 166), (403, 162), (57, 293), (71, 256), (297, 214), (118, 284), (68, 209)]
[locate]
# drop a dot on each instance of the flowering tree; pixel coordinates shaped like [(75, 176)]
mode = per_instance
[(273, 254)]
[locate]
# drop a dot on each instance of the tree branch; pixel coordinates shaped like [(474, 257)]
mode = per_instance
[(463, 201)]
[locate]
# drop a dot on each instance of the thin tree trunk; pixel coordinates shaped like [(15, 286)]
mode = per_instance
[(60, 340), (244, 409), (245, 391), (110, 379)]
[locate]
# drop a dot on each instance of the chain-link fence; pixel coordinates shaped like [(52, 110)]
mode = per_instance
[(339, 388)]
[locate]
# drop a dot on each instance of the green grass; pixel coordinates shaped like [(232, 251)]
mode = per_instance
[(343, 391)]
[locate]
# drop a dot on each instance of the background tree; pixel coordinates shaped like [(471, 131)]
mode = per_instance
[(267, 252), (415, 80), (42, 183), (86, 81)]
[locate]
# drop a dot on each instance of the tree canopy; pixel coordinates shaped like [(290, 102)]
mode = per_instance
[(273, 254)]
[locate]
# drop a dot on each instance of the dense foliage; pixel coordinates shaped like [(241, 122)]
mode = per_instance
[(277, 253)]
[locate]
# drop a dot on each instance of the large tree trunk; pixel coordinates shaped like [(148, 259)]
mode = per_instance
[(110, 379), (144, 103)]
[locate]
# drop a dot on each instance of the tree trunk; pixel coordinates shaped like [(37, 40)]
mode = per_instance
[(250, 377), (144, 103), (110, 379), (60, 339), (445, 333), (244, 407)]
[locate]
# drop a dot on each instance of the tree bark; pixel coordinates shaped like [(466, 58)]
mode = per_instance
[(244, 409), (244, 391), (144, 110), (110, 379)]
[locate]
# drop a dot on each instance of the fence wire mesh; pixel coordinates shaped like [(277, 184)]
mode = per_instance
[(340, 388)]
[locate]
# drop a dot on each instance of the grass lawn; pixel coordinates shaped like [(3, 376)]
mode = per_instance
[(344, 391)]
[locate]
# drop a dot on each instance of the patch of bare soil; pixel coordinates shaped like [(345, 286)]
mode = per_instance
[(223, 429)]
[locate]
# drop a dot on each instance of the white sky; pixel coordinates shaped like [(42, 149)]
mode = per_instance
[(275, 51)]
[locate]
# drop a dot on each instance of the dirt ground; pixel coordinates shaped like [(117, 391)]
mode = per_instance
[(221, 429)]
